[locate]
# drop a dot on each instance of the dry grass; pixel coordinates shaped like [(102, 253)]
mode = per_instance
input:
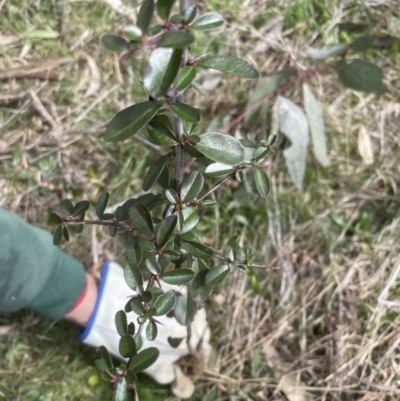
[(326, 326)]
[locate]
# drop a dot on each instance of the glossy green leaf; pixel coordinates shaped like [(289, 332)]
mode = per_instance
[(55, 219), (361, 75), (137, 306), (115, 43), (66, 233), (145, 15), (57, 235), (121, 391), (260, 153), (230, 65), (191, 186), (217, 275), (138, 341), (196, 249), (185, 77), (236, 247), (101, 204), (161, 70), (143, 360), (155, 30), (163, 179), (165, 231), (154, 172), (165, 303), (316, 122), (326, 52), (177, 40), (151, 331), (121, 323), (134, 253), (208, 21), (190, 14), (81, 207), (133, 277), (105, 355), (102, 366), (172, 196), (187, 220), (67, 206), (185, 309), (133, 32), (219, 169), (186, 112), (141, 217), (130, 121), (146, 296), (221, 148), (262, 182), (153, 266), (265, 86), (199, 88), (170, 255), (159, 134), (178, 276), (131, 328), (164, 8), (127, 346)]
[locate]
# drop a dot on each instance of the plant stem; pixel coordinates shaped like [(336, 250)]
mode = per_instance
[(99, 223), (244, 263)]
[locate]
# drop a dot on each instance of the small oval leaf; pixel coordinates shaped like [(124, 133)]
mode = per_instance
[(101, 204), (217, 275), (164, 8), (141, 217), (208, 21), (230, 65), (133, 277), (151, 331), (58, 235), (165, 231), (218, 169), (177, 40), (143, 360), (133, 32), (154, 172), (127, 346), (115, 43), (191, 186), (178, 276), (185, 309), (185, 77), (165, 303), (262, 182), (121, 323), (81, 207), (145, 15), (186, 112)]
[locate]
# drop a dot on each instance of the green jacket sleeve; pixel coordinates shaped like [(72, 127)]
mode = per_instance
[(33, 272)]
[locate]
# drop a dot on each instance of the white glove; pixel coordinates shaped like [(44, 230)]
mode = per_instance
[(113, 294)]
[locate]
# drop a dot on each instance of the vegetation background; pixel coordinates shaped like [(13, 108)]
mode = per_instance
[(323, 327)]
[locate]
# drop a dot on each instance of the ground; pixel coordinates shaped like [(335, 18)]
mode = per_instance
[(324, 325)]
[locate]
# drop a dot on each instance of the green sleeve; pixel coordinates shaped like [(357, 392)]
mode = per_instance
[(34, 273)]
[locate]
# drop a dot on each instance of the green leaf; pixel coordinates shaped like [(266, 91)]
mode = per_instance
[(360, 75), (175, 342), (134, 253), (138, 341), (161, 70), (137, 306), (186, 112), (177, 40), (131, 328), (55, 219), (102, 366), (185, 77), (326, 52), (130, 121), (262, 182), (141, 217), (58, 235), (266, 86), (143, 360), (221, 148), (160, 133), (115, 43), (165, 231), (187, 220), (217, 275), (81, 207), (260, 153), (154, 172), (127, 346), (185, 309), (208, 21), (66, 233), (151, 331), (105, 355), (145, 15), (191, 186), (121, 392), (101, 204), (236, 247), (155, 30), (316, 122), (39, 34), (121, 323), (164, 180), (363, 43), (172, 196), (133, 32), (199, 88), (67, 206), (178, 276), (196, 249), (153, 266), (133, 277), (190, 14), (164, 8), (165, 303), (231, 65), (218, 169)]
